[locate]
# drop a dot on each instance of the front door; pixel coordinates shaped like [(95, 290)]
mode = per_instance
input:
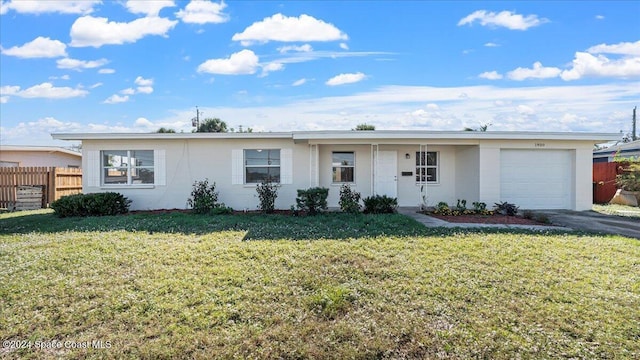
[(386, 180)]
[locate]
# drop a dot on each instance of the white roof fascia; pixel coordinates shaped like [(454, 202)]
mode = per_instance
[(39, 149), (444, 135), (169, 136)]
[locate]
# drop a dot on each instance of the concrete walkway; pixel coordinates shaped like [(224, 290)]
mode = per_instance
[(429, 221)]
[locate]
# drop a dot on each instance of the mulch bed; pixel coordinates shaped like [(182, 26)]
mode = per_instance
[(488, 219)]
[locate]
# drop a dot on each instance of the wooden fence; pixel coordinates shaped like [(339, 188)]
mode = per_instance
[(20, 187), (604, 181)]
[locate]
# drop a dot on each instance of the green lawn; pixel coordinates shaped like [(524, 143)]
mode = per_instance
[(364, 287), (619, 210)]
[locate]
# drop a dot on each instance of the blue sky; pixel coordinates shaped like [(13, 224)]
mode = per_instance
[(134, 66)]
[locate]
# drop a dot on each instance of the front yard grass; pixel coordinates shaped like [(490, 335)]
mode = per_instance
[(187, 286), (619, 210)]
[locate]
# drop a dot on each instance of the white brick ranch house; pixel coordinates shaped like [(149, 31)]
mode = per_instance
[(534, 170)]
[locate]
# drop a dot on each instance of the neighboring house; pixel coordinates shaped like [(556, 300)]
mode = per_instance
[(531, 169), (51, 156), (630, 150)]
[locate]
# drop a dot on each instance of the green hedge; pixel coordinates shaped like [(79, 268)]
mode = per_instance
[(97, 204)]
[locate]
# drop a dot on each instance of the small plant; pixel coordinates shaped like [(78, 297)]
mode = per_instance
[(542, 218), (461, 205), (479, 207), (528, 214), (312, 200), (442, 209), (380, 204), (221, 209), (349, 199), (204, 197), (97, 204), (267, 193), (506, 208)]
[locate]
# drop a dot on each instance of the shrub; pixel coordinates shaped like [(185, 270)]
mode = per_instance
[(204, 197), (221, 209), (461, 205), (349, 200), (630, 178), (97, 204), (543, 218), (312, 200), (380, 204), (479, 207), (442, 209), (528, 214), (506, 208), (267, 193)]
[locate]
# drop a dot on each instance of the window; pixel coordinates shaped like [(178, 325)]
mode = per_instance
[(343, 167), (262, 165), (426, 166), (127, 167)]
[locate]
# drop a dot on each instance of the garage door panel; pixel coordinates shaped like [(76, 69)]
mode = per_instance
[(536, 179)]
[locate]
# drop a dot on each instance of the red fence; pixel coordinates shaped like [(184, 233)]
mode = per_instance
[(604, 181)]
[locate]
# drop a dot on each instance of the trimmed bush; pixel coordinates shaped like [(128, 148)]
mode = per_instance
[(380, 204), (96, 204), (267, 193), (349, 200), (204, 197), (312, 200)]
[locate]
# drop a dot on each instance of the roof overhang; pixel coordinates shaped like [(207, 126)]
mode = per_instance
[(47, 149), (346, 135)]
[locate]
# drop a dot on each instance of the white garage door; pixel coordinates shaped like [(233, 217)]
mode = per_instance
[(537, 179)]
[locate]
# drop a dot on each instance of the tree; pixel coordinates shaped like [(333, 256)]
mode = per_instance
[(364, 126), (212, 125), (482, 128), (164, 130)]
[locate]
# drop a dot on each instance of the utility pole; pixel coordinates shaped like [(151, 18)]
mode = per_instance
[(633, 131), (195, 122)]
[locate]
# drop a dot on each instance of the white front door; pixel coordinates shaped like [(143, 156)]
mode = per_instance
[(386, 179)]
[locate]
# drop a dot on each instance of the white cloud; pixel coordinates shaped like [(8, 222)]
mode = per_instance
[(40, 47), (4, 8), (128, 91), (106, 71), (45, 90), (140, 81), (98, 31), (299, 82), (490, 75), (202, 12), (537, 72), (115, 99), (491, 44), (148, 7), (79, 65), (96, 85), (624, 48), (599, 17), (242, 62), (346, 79), (288, 48), (9, 90), (289, 29), (505, 19), (585, 64), (344, 46), (49, 6), (270, 67), (142, 122), (144, 90), (4, 99)]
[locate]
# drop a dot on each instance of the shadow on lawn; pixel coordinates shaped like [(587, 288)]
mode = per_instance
[(256, 226)]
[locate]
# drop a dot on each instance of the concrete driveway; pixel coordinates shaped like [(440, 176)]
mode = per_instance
[(593, 221)]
